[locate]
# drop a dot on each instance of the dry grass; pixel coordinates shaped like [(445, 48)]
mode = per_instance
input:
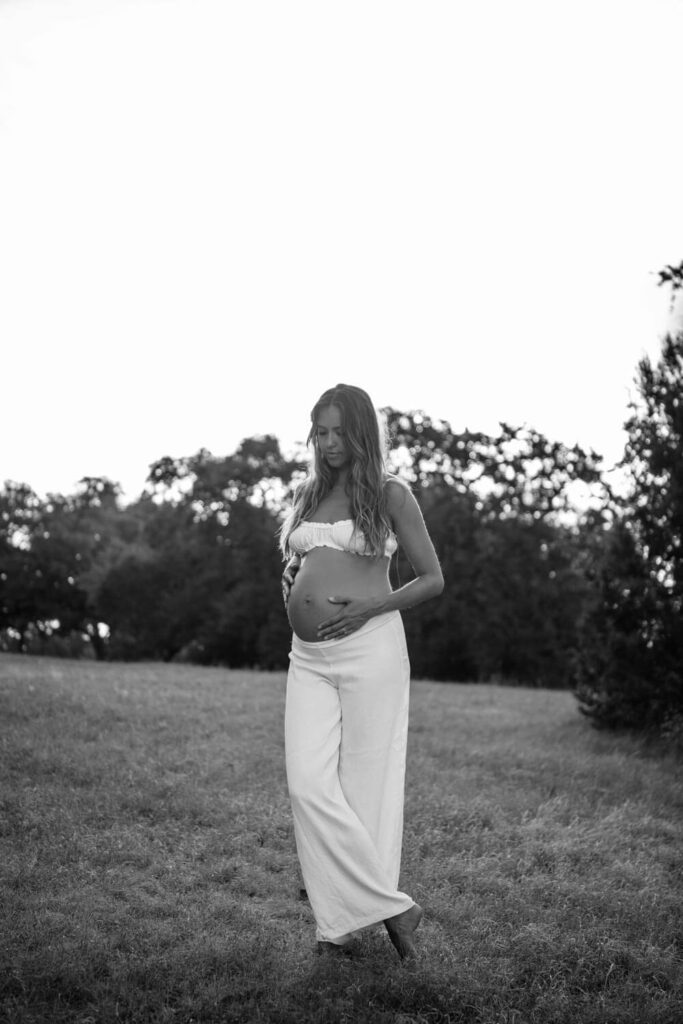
[(148, 870)]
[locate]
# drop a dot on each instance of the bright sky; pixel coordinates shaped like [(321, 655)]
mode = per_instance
[(211, 211)]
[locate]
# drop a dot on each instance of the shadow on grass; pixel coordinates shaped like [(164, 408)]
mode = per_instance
[(371, 985)]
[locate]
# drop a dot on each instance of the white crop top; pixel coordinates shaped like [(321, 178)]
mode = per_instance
[(339, 535)]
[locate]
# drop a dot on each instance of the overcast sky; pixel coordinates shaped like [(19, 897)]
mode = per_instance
[(212, 211)]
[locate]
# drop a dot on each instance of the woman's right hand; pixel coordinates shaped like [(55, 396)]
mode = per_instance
[(289, 575)]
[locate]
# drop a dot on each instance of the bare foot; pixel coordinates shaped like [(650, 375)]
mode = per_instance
[(401, 929)]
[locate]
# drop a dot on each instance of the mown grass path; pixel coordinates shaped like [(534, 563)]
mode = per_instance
[(148, 870)]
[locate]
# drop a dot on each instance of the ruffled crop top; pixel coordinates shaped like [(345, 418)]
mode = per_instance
[(339, 535)]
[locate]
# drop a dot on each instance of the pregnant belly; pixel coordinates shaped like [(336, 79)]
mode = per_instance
[(328, 573)]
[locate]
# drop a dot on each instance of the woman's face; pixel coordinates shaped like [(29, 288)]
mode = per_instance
[(330, 435)]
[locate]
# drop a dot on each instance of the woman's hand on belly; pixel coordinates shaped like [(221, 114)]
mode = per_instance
[(325, 571), (354, 612)]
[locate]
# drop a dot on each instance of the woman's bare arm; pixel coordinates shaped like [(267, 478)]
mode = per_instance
[(409, 527)]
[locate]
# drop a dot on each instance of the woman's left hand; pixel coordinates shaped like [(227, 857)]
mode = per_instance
[(353, 614)]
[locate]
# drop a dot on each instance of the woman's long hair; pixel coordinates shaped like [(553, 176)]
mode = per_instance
[(365, 441)]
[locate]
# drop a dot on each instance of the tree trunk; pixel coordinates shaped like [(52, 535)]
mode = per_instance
[(97, 642)]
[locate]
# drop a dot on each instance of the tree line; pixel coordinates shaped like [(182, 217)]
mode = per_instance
[(551, 579), (191, 568)]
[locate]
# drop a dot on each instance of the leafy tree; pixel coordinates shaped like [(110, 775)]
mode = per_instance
[(630, 672), (246, 623), (518, 473), (204, 582), (82, 536), (257, 472), (38, 590), (513, 596), (672, 276), (54, 555), (503, 516), (22, 582)]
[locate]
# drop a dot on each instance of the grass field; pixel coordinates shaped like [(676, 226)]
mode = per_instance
[(148, 869)]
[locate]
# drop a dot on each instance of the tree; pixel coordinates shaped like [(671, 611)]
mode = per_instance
[(673, 276), (22, 583), (81, 536), (517, 473), (630, 670), (55, 553), (38, 589), (501, 511), (512, 601), (204, 581), (257, 471)]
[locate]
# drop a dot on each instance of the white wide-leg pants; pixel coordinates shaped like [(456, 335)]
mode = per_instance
[(346, 728)]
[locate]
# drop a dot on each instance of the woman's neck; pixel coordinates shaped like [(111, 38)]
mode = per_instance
[(339, 485)]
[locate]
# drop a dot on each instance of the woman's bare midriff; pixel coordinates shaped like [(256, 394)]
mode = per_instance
[(325, 573)]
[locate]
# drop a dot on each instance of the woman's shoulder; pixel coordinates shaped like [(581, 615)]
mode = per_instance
[(396, 492), (393, 482)]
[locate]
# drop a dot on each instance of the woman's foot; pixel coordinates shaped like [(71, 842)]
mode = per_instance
[(401, 929)]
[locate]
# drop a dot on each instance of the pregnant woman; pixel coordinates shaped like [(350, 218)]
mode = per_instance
[(346, 718)]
